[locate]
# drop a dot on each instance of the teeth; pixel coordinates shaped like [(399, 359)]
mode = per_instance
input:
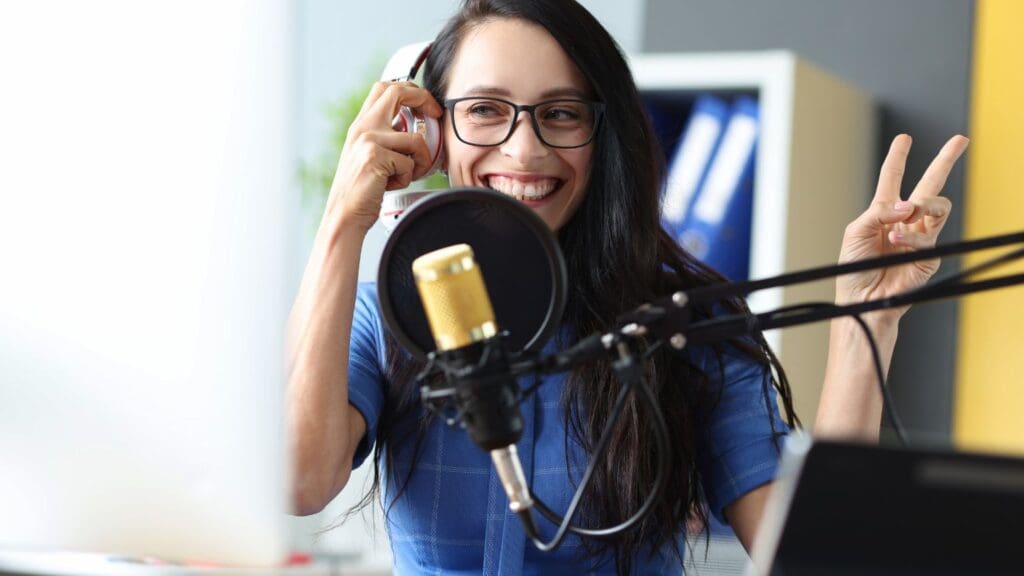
[(533, 190)]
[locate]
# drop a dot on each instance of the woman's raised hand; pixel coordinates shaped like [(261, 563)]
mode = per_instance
[(376, 157), (891, 225)]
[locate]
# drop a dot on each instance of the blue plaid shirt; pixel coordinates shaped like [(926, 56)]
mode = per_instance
[(453, 517)]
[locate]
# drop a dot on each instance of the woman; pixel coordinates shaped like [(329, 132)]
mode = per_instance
[(586, 165)]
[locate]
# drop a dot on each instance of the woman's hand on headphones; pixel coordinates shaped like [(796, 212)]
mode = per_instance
[(376, 157)]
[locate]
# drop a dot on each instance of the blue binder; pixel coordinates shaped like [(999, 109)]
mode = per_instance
[(690, 160), (717, 226)]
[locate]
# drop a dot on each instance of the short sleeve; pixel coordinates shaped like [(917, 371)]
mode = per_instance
[(366, 366), (742, 434)]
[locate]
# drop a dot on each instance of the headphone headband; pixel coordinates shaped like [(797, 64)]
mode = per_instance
[(406, 62)]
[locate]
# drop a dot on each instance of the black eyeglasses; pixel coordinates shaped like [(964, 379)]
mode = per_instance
[(567, 123)]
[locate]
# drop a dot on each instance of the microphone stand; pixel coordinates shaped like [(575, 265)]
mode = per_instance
[(630, 370), (668, 320)]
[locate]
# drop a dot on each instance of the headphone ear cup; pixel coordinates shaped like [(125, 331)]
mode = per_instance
[(429, 128), (433, 135)]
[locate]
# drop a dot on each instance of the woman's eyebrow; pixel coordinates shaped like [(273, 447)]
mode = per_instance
[(551, 93), (566, 91), (488, 91)]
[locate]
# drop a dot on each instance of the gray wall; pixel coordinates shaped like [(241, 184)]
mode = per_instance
[(914, 57)]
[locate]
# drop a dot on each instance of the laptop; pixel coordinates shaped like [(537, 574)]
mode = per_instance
[(843, 508)]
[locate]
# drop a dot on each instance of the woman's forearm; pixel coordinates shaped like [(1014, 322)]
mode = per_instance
[(851, 402), (320, 421)]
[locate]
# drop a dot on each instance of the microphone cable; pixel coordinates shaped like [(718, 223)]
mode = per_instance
[(631, 375), (753, 323), (626, 366), (888, 404)]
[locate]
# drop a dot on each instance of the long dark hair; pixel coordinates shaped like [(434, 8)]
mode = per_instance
[(618, 257)]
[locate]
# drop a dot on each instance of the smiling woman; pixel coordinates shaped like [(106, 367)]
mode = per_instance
[(539, 104), (543, 161)]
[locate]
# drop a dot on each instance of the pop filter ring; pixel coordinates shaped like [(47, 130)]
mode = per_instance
[(531, 229)]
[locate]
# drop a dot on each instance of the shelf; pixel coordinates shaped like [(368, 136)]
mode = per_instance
[(813, 175)]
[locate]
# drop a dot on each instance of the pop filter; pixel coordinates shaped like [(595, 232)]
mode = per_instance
[(518, 256)]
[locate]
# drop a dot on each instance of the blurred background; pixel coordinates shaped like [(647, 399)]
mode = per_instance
[(73, 161)]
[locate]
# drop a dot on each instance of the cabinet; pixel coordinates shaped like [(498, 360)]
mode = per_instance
[(815, 168)]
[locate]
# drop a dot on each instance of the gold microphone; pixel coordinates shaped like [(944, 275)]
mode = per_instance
[(465, 332), (454, 297)]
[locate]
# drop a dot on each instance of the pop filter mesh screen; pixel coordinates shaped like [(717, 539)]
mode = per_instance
[(518, 257)]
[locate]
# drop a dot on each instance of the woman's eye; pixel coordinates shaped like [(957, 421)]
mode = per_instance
[(561, 114), (484, 110)]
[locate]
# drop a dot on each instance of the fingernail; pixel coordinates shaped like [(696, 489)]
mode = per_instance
[(903, 206), (897, 236)]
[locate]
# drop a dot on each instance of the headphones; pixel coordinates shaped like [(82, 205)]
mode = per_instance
[(403, 66)]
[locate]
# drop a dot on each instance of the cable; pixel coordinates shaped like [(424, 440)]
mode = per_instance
[(977, 269), (749, 323), (888, 405), (753, 323), (717, 292), (661, 477)]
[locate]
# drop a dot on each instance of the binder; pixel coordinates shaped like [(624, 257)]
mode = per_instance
[(667, 120), (716, 229), (691, 159)]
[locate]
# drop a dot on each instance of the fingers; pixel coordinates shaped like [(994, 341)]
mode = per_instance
[(909, 239), (376, 90), (397, 94), (402, 168), (410, 144), (934, 178), (890, 178), (375, 157), (373, 129), (898, 219), (394, 158), (931, 210), (378, 113), (925, 206), (882, 214)]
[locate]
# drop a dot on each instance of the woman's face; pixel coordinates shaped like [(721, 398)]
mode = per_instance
[(520, 62)]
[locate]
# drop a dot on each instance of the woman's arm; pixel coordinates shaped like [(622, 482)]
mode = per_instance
[(851, 403), (324, 429)]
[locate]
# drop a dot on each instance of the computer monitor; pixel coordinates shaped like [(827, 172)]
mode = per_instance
[(144, 239), (843, 508)]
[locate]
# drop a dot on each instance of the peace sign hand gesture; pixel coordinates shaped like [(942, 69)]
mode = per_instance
[(891, 225)]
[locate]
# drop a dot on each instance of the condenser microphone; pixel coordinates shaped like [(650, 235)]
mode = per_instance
[(472, 354)]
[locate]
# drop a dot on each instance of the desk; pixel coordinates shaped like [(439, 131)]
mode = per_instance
[(85, 564)]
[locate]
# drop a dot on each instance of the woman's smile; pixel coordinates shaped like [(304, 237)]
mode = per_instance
[(525, 188)]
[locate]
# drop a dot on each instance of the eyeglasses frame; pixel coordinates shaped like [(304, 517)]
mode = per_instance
[(598, 108)]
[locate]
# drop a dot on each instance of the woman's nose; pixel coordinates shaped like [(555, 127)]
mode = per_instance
[(524, 145)]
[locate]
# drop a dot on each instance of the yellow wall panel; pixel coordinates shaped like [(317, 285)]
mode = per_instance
[(989, 406)]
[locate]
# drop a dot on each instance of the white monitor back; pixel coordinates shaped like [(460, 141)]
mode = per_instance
[(143, 238)]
